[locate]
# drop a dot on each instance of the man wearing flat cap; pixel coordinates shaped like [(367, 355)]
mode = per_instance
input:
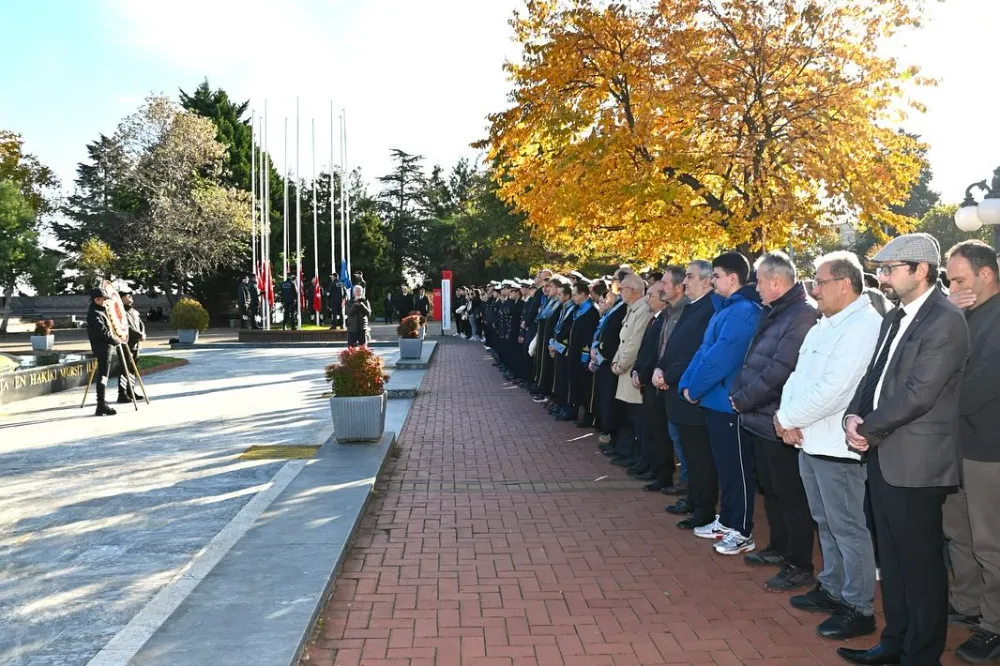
[(904, 417), (102, 345), (136, 334)]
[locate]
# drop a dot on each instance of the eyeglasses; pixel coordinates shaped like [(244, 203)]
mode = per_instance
[(886, 269), (820, 283)]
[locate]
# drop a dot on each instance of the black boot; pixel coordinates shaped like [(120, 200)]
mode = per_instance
[(123, 397), (102, 405)]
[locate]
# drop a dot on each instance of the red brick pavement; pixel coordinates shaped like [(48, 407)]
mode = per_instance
[(465, 557)]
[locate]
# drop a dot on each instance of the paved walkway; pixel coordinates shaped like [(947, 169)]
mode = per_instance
[(97, 515), (500, 541)]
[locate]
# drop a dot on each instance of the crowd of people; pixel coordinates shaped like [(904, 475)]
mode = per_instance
[(863, 408)]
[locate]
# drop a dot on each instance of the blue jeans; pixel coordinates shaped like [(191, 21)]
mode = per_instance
[(836, 492), (675, 437)]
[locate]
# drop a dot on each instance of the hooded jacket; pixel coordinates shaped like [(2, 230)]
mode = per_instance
[(719, 359)]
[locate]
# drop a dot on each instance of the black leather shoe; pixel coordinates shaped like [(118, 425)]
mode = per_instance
[(648, 476), (123, 399), (638, 469), (876, 656), (653, 486), (846, 623), (815, 600), (610, 452), (680, 508), (693, 522), (790, 578), (678, 489), (768, 557)]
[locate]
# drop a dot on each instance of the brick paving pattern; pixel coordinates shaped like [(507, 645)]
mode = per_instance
[(498, 540)]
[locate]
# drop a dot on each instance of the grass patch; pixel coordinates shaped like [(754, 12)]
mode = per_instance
[(150, 362)]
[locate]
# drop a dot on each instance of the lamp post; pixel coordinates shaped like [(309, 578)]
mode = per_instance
[(971, 216)]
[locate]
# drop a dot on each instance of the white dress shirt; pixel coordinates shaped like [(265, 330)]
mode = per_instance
[(911, 313)]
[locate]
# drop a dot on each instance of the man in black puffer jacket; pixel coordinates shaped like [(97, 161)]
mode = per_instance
[(756, 395)]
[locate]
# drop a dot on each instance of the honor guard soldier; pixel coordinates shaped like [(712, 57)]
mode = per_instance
[(136, 335), (102, 345)]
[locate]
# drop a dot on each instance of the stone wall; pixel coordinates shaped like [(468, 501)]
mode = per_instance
[(49, 307)]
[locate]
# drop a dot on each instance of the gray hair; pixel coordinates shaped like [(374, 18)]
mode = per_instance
[(776, 264), (359, 291), (675, 273), (704, 268), (633, 281), (844, 264)]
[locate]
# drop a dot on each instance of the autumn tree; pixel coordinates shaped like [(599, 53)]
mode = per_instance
[(679, 127)]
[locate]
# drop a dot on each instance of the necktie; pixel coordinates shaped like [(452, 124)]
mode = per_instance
[(875, 372)]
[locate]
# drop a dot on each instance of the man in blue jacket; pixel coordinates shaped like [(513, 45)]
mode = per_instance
[(708, 381)]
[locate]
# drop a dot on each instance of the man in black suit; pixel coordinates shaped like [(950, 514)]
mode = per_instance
[(905, 417), (654, 463), (682, 345)]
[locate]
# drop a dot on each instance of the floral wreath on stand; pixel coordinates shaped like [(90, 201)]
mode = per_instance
[(116, 311)]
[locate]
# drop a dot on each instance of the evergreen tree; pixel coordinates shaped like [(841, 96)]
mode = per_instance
[(232, 130)]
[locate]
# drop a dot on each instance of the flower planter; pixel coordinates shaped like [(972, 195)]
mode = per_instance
[(360, 419), (187, 336), (42, 342), (410, 347)]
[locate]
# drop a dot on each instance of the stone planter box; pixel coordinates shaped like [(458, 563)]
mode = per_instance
[(187, 336), (410, 347), (42, 342), (360, 419)]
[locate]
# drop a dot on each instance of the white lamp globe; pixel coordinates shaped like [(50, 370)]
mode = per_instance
[(989, 210), (967, 218)]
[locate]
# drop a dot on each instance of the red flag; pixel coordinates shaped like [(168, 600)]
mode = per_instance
[(317, 295), (259, 278), (302, 291), (270, 285)]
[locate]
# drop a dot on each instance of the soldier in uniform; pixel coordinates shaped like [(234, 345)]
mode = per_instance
[(290, 304), (102, 344), (243, 301), (136, 334)]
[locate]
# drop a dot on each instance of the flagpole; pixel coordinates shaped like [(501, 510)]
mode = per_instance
[(253, 193), (333, 224), (298, 220), (315, 218), (284, 265), (347, 170), (343, 208), (265, 241)]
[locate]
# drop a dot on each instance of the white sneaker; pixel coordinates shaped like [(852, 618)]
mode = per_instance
[(735, 543), (714, 530)]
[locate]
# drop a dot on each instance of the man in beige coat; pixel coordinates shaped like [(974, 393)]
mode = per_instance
[(628, 397)]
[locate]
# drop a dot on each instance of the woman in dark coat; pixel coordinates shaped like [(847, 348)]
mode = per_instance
[(358, 312), (585, 318)]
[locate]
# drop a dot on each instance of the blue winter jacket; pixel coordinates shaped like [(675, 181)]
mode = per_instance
[(718, 361)]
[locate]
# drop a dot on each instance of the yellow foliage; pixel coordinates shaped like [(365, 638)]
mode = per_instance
[(681, 127)]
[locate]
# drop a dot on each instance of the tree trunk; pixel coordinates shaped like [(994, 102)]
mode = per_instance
[(8, 295)]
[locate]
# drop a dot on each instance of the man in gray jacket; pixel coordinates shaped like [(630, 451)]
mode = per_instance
[(971, 519), (904, 417)]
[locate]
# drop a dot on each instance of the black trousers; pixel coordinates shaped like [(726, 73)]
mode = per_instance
[(560, 386), (627, 436), (785, 501), (703, 479), (911, 557), (657, 448), (607, 412)]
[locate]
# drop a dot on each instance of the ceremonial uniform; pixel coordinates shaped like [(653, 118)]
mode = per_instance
[(560, 342), (136, 334), (581, 381), (102, 345)]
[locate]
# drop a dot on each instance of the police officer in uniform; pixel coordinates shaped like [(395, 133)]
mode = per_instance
[(136, 334), (290, 304), (102, 344)]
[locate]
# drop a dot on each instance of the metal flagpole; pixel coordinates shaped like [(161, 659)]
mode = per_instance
[(265, 241), (343, 208), (347, 170), (284, 266), (315, 219), (333, 224), (298, 220), (253, 193)]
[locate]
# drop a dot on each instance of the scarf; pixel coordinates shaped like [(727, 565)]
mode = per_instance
[(582, 309), (548, 308), (604, 319), (567, 309)]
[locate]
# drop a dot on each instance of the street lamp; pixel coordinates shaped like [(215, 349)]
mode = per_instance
[(971, 216)]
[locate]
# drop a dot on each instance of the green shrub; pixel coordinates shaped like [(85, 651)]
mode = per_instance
[(187, 314)]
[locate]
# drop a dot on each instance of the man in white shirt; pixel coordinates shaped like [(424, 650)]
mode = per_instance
[(831, 362)]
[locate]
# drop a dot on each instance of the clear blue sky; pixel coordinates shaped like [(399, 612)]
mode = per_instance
[(420, 75)]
